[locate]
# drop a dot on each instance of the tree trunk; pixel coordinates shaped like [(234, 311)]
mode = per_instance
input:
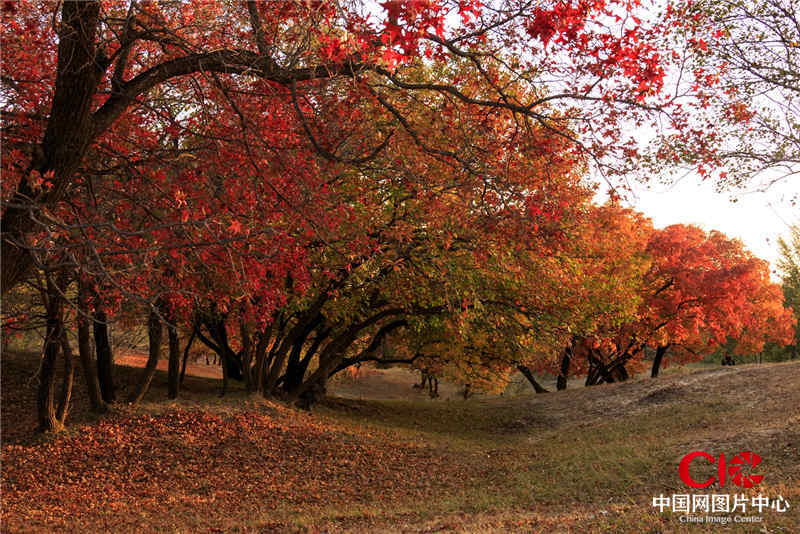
[(308, 320), (433, 390), (267, 365), (600, 372), (527, 373), (261, 356), (69, 373), (224, 362), (423, 380), (296, 367), (173, 371), (292, 377), (154, 333), (186, 354), (276, 364), (561, 381), (46, 409), (246, 336), (619, 372), (660, 352), (69, 132), (105, 358), (96, 401)]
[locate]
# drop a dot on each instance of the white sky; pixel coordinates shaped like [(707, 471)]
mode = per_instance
[(757, 218)]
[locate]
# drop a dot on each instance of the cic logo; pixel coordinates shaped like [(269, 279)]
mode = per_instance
[(731, 470)]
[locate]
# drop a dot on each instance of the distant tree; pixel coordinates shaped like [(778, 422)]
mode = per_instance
[(789, 265), (700, 290)]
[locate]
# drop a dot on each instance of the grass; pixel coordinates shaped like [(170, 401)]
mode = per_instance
[(582, 460)]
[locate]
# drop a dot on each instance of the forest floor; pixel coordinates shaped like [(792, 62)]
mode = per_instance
[(379, 456)]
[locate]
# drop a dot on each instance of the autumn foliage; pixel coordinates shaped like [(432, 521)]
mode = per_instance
[(307, 186)]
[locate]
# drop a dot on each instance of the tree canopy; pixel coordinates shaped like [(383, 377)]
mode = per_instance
[(305, 186)]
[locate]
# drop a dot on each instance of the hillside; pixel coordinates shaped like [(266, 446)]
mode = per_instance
[(581, 460)]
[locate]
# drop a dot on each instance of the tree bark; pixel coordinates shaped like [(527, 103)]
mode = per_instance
[(96, 401), (529, 375), (561, 381), (46, 409), (423, 380), (619, 372), (69, 373), (245, 333), (309, 318), (224, 362), (173, 371), (69, 132), (601, 372), (261, 355), (660, 352), (334, 352), (105, 357), (154, 330), (296, 366), (186, 353)]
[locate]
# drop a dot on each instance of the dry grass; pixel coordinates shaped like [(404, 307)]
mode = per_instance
[(583, 460)]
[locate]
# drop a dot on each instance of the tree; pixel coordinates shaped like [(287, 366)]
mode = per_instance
[(789, 265), (297, 183), (740, 63), (700, 290), (600, 289), (113, 67)]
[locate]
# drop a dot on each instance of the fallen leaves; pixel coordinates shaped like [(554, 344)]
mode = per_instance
[(129, 465)]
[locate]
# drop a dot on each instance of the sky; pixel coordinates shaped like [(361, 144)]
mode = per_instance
[(758, 218)]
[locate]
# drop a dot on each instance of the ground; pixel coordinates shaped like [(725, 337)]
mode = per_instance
[(379, 456)]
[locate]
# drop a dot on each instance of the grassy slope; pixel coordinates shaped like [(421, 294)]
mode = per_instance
[(583, 460)]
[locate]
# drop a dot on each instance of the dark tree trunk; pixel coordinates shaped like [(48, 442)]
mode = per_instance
[(46, 408), (433, 390), (296, 370), (69, 373), (268, 362), (186, 354), (225, 368), (230, 361), (173, 371), (245, 333), (278, 359), (334, 352), (600, 372), (96, 401), (261, 356), (312, 395), (619, 372), (292, 377), (660, 352), (529, 375), (105, 358), (302, 367), (561, 381), (154, 331), (423, 380), (69, 132)]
